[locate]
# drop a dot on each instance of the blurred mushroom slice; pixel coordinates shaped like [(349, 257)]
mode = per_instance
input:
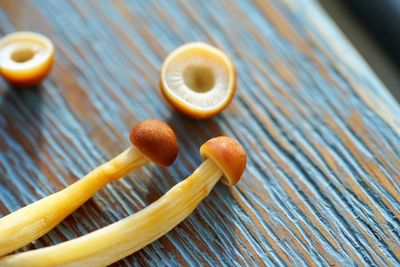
[(26, 58)]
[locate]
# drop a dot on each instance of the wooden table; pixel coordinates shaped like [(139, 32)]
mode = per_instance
[(321, 132)]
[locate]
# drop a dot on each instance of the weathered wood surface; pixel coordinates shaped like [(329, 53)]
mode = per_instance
[(321, 132)]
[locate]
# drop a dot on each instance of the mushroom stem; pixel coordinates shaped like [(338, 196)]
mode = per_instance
[(122, 238), (29, 223)]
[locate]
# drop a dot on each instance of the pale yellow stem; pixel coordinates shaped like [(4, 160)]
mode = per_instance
[(123, 238), (31, 222)]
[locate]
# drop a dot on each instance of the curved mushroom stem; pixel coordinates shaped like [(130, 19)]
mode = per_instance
[(123, 238), (29, 223)]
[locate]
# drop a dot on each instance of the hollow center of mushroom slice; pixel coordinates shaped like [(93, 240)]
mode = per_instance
[(22, 55), (200, 79)]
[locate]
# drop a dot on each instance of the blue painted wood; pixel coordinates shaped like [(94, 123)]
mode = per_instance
[(321, 132)]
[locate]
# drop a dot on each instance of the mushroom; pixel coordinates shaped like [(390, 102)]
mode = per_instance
[(26, 58), (198, 79), (224, 158), (152, 140)]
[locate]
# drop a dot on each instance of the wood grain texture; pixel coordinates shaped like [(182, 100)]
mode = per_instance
[(321, 132)]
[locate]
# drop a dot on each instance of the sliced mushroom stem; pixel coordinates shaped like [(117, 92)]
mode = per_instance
[(31, 222), (123, 238)]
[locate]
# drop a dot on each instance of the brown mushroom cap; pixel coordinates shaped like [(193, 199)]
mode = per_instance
[(155, 140), (228, 154)]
